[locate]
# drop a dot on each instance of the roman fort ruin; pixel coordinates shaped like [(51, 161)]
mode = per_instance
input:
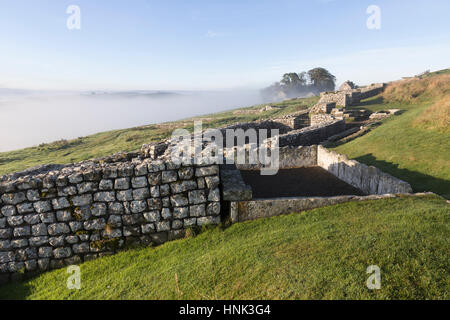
[(57, 215)]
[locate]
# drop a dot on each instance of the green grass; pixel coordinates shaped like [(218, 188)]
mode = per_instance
[(436, 73), (418, 156), (403, 148), (319, 254), (107, 143)]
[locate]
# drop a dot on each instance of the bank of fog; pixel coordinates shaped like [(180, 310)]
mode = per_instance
[(33, 119)]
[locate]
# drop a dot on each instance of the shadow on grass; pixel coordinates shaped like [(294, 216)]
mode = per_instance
[(7, 160), (420, 182), (17, 289), (352, 136), (371, 101)]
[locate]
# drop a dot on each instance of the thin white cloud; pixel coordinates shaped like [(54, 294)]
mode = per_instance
[(215, 34)]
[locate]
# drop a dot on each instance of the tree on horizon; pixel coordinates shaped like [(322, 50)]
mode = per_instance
[(293, 85), (322, 79)]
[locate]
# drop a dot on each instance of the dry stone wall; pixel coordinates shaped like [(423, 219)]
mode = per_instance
[(338, 97), (295, 121), (348, 97), (319, 118), (56, 216), (312, 135), (323, 128), (308, 136), (323, 107), (288, 157), (264, 208), (163, 149), (371, 90), (368, 179)]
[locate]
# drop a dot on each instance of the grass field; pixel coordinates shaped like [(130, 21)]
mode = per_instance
[(408, 146), (319, 254)]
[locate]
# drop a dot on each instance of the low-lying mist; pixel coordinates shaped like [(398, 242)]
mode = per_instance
[(30, 119)]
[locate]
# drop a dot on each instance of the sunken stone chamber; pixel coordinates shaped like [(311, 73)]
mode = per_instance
[(306, 182), (308, 177)]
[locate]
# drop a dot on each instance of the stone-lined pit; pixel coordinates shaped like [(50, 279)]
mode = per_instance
[(308, 177), (297, 182)]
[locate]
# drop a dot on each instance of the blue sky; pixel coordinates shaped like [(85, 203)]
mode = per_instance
[(211, 44)]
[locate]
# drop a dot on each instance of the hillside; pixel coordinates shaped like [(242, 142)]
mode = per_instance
[(413, 146), (319, 254)]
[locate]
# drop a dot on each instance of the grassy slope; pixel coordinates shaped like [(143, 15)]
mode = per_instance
[(107, 143), (320, 254), (437, 73), (406, 146)]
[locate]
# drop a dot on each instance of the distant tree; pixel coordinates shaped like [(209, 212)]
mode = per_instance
[(290, 79), (322, 79), (293, 85), (303, 76), (294, 80)]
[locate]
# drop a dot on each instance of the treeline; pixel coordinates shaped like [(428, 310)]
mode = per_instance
[(293, 85)]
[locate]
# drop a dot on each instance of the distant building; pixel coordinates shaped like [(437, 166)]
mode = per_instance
[(347, 85)]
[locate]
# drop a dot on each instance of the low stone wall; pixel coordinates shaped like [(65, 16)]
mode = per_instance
[(338, 97), (372, 90), (354, 96), (341, 98), (368, 179), (322, 107), (289, 157), (154, 150), (76, 213), (284, 125), (233, 186), (295, 121), (319, 118), (257, 125), (312, 135), (264, 208)]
